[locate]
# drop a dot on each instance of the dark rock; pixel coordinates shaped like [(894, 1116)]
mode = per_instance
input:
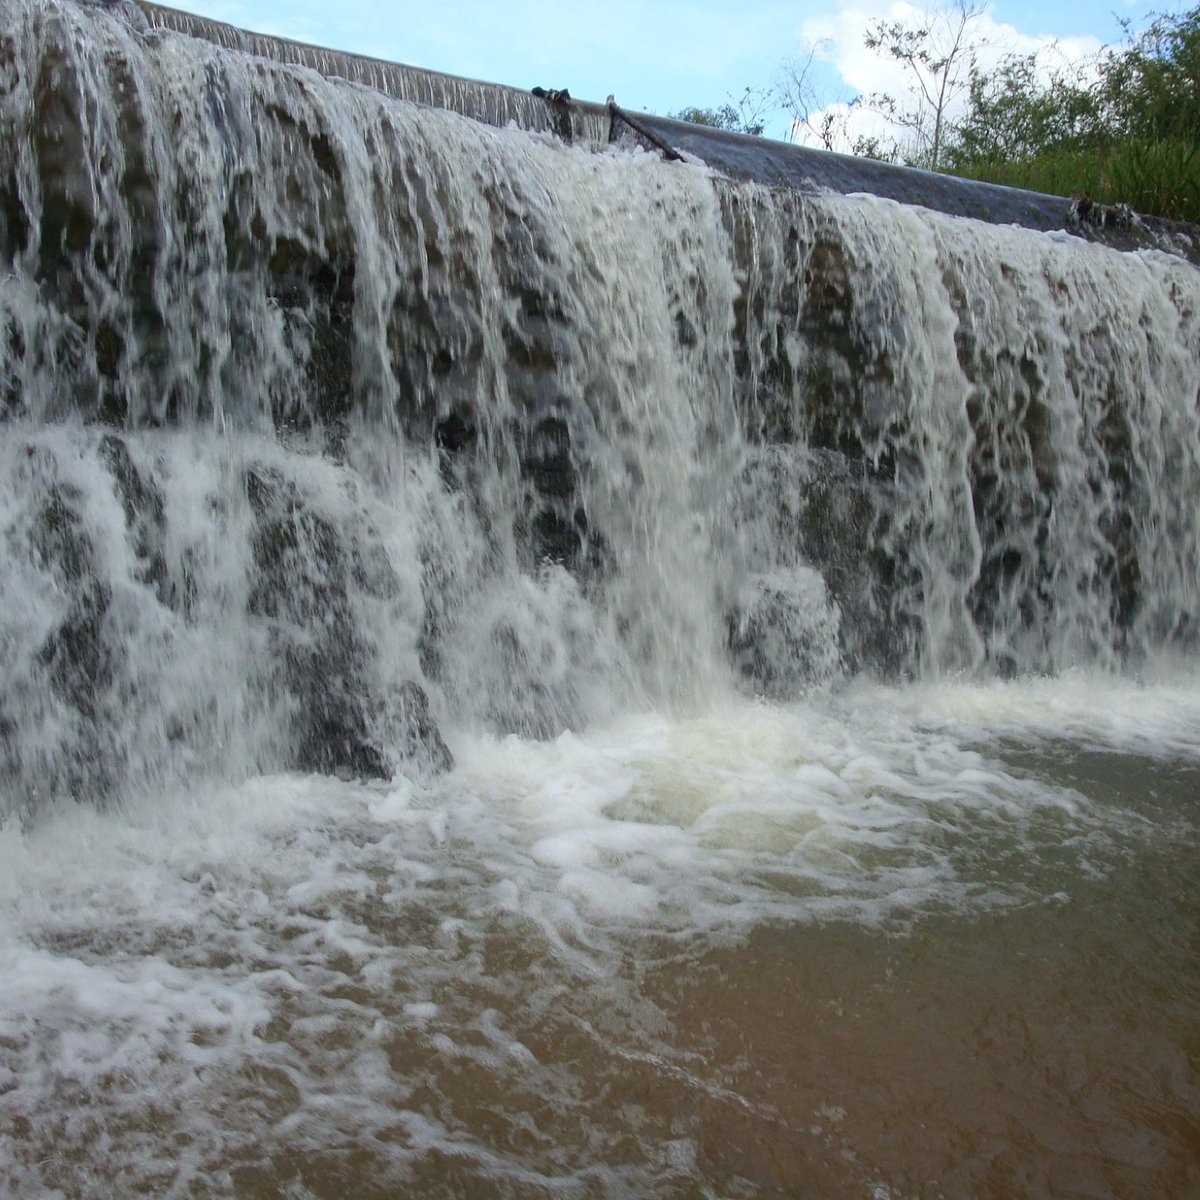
[(417, 735), (557, 538), (302, 570), (74, 668), (784, 636), (145, 516), (547, 461), (455, 433), (76, 655), (331, 745)]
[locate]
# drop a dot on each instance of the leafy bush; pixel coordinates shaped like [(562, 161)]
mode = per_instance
[(1124, 129)]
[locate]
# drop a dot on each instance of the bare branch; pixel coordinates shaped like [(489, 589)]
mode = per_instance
[(938, 55)]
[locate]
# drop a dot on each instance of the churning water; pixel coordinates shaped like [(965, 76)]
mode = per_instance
[(539, 672)]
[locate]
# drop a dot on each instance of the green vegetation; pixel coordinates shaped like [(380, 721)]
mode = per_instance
[(743, 116), (1122, 127), (1125, 129), (938, 57)]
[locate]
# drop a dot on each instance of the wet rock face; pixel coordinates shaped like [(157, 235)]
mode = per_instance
[(299, 589), (979, 392), (304, 569), (75, 655), (418, 737), (816, 352), (783, 634), (158, 626), (821, 601), (253, 247), (143, 505), (60, 674), (559, 525), (544, 372)]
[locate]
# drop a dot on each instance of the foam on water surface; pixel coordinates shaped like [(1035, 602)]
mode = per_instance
[(803, 587), (255, 970)]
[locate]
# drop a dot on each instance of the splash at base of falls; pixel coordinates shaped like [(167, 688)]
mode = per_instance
[(761, 951), (490, 430), (538, 672)]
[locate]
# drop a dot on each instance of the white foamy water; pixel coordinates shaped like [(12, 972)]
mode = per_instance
[(197, 981), (766, 621)]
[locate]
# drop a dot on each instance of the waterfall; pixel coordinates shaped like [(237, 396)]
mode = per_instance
[(1010, 422), (332, 420), (530, 669)]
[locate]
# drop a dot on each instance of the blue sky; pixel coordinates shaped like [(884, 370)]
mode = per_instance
[(653, 56)]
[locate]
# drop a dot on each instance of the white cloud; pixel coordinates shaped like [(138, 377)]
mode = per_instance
[(840, 38)]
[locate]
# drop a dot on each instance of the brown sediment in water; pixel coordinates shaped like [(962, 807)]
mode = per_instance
[(1049, 1051), (390, 1014)]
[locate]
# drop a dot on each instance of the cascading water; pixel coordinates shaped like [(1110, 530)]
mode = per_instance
[(1019, 414), (481, 331), (700, 563)]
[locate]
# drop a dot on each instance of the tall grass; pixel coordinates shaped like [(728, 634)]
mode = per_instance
[(1156, 177)]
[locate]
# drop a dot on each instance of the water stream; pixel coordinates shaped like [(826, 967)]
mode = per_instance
[(531, 670)]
